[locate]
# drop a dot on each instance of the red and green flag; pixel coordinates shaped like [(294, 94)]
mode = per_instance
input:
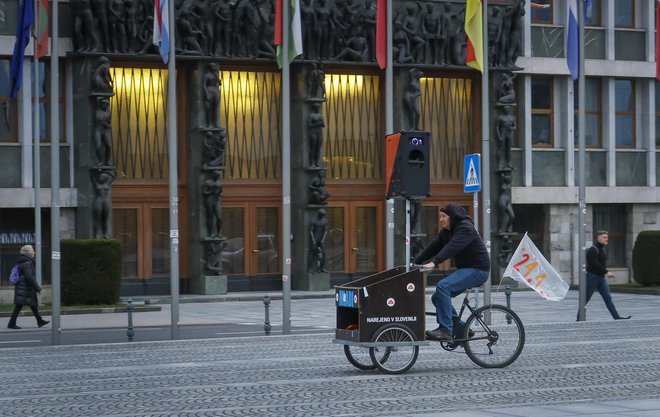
[(42, 28)]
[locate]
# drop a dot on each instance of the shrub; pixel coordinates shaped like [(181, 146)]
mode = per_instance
[(91, 271), (645, 259)]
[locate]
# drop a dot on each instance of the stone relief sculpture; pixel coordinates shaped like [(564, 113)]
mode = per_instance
[(100, 13), (212, 95), (431, 32), (411, 96), (103, 131), (102, 79), (84, 31), (356, 48), (316, 81), (318, 231), (315, 125), (213, 257), (102, 178), (211, 193), (309, 30), (214, 148), (504, 130), (222, 13), (116, 18), (318, 194), (505, 209)]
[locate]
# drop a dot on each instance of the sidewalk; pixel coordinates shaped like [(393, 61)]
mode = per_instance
[(317, 310)]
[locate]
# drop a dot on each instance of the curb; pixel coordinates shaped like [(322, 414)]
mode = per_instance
[(136, 309)]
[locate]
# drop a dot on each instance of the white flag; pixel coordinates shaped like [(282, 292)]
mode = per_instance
[(529, 266)]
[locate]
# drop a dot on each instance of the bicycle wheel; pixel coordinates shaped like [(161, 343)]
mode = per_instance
[(499, 336), (361, 359), (398, 357)]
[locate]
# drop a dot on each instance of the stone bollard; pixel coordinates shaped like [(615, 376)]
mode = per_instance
[(267, 326), (507, 292), (130, 332)]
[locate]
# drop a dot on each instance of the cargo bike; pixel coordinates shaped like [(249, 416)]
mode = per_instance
[(381, 323)]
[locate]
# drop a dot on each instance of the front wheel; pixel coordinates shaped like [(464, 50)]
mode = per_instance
[(400, 355), (499, 336)]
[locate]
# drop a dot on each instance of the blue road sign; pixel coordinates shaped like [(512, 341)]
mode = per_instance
[(472, 173)]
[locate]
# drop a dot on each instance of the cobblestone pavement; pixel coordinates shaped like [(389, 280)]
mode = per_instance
[(596, 368)]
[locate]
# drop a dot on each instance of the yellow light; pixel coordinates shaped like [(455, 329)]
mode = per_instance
[(146, 80), (350, 82)]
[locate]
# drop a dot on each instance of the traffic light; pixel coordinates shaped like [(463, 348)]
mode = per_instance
[(407, 164)]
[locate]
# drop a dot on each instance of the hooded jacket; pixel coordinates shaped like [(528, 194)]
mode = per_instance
[(461, 242), (26, 289)]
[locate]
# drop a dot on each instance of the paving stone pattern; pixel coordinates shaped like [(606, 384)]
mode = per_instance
[(593, 368)]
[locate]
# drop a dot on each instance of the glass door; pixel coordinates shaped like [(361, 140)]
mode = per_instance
[(253, 239)]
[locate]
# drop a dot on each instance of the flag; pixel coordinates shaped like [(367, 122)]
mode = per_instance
[(572, 58), (474, 30), (42, 28), (657, 42), (25, 17), (295, 31), (381, 33), (162, 28), (529, 266)]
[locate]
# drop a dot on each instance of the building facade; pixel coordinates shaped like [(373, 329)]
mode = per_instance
[(114, 154)]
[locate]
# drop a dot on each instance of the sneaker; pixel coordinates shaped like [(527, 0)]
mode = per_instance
[(13, 327), (622, 318), (440, 334), (43, 323)]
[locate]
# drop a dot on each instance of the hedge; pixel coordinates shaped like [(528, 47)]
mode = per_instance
[(646, 258), (90, 271)]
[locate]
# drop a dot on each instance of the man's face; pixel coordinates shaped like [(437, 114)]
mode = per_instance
[(445, 221), (603, 239)]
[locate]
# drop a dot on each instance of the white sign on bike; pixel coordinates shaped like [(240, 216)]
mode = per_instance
[(529, 266)]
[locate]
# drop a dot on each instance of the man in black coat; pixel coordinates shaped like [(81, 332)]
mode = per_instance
[(457, 239), (26, 289), (597, 273)]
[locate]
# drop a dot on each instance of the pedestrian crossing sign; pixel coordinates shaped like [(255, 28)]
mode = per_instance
[(472, 173)]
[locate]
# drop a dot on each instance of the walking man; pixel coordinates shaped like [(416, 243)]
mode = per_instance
[(26, 289), (597, 273)]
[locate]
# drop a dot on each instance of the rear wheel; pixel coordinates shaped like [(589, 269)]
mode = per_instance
[(499, 336), (361, 358), (399, 354)]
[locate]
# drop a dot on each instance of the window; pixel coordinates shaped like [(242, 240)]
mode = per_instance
[(542, 111), (592, 15), (45, 103), (624, 13), (657, 114), (592, 112), (541, 11), (624, 103), (8, 113), (612, 217)]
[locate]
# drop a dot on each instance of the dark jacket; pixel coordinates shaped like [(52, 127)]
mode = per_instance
[(597, 259), (26, 289), (461, 242)]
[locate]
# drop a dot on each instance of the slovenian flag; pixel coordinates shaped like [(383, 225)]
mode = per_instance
[(572, 58), (162, 28), (295, 30), (25, 17), (474, 29), (381, 34)]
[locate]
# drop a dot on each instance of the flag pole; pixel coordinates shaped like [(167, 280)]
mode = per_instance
[(582, 204), (55, 174), (389, 129), (286, 172), (485, 147), (173, 175), (37, 149)]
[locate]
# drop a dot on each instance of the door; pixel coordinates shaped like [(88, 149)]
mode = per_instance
[(253, 239), (354, 240)]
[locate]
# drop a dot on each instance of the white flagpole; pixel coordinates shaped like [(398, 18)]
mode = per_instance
[(173, 175), (55, 173), (485, 149), (36, 159), (286, 172), (582, 204), (389, 129)]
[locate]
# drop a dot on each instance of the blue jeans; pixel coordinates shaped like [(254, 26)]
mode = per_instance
[(599, 282), (457, 282)]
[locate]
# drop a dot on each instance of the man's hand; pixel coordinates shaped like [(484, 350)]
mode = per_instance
[(610, 275)]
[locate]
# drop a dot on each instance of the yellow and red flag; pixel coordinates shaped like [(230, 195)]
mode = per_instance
[(474, 29), (381, 33), (42, 28)]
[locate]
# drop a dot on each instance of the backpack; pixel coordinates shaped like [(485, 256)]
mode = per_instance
[(14, 275)]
